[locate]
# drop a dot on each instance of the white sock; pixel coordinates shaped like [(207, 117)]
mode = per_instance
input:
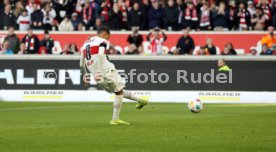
[(117, 105), (131, 96)]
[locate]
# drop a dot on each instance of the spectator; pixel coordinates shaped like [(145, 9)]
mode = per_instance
[(156, 42), (220, 18), (78, 8), (12, 40), (202, 51), (135, 38), (141, 51), (7, 18), (145, 6), (105, 10), (243, 18), (30, 6), (74, 48), (18, 9), (81, 27), (180, 8), (48, 16), (171, 16), (47, 42), (66, 25), (274, 13), (123, 9), (190, 16), (75, 20), (185, 44), (232, 12), (95, 7), (270, 38), (205, 17), (66, 50), (155, 15), (229, 49), (87, 14), (253, 51), (37, 17), (266, 9), (31, 42), (23, 49), (266, 50), (132, 50), (251, 8), (258, 20), (63, 8), (210, 47), (5, 48), (113, 51), (222, 66), (2, 5), (135, 17), (115, 17), (42, 50), (24, 21), (98, 24)]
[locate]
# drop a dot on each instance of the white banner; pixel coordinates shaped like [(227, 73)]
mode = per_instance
[(153, 96)]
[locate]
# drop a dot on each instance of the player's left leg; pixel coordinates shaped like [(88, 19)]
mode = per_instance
[(140, 101), (117, 106)]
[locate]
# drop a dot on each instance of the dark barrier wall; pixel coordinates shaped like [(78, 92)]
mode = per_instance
[(246, 75)]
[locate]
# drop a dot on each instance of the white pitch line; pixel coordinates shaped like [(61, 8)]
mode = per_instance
[(51, 107)]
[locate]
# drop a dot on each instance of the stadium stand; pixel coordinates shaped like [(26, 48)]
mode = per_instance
[(155, 16)]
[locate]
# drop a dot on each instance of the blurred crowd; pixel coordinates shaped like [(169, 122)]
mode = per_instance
[(31, 44), (186, 45), (81, 15)]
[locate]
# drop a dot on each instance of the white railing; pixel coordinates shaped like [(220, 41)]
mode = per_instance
[(137, 57), (143, 32)]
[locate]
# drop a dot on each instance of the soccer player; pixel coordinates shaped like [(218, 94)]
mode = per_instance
[(94, 60)]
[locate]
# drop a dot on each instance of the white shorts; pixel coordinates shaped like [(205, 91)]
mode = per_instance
[(112, 81)]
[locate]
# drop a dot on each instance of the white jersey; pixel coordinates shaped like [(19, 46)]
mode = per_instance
[(94, 60), (90, 53), (24, 22), (156, 45)]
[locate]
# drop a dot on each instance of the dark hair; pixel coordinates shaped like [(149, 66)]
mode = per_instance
[(202, 47), (76, 47), (10, 27), (46, 32), (229, 43), (156, 29), (259, 8), (103, 29)]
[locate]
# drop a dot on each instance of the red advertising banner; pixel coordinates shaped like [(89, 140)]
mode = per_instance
[(242, 41)]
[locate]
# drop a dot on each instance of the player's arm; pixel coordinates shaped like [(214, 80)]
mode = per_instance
[(101, 57), (84, 70), (82, 64)]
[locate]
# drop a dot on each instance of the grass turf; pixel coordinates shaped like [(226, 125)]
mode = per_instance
[(83, 127)]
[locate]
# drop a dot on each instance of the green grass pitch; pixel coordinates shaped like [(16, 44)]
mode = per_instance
[(83, 127)]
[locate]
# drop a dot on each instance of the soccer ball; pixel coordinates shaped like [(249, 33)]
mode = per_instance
[(195, 106)]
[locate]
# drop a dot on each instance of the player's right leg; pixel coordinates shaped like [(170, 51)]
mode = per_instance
[(140, 101)]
